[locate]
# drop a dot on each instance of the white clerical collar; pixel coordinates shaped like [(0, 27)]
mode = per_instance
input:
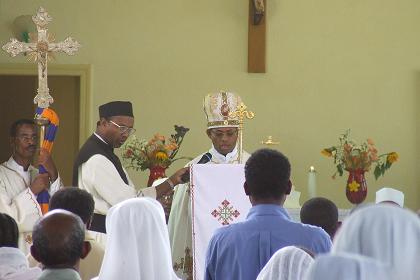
[(218, 157), (100, 138)]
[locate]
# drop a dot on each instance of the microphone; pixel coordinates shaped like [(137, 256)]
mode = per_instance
[(203, 160)]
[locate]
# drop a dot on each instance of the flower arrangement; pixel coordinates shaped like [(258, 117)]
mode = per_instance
[(349, 156), (158, 151)]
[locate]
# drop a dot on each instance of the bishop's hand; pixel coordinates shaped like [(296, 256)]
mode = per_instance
[(176, 178)]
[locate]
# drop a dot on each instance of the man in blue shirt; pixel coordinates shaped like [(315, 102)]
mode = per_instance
[(241, 250)]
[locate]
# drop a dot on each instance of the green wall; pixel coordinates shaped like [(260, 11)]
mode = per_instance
[(331, 65)]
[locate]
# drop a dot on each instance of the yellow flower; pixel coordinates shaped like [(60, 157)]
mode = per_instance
[(392, 157), (326, 153), (354, 186), (161, 156)]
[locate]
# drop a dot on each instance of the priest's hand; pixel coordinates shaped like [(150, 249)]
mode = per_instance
[(45, 160), (40, 183), (176, 178)]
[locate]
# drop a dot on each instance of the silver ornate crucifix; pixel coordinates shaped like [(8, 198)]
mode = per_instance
[(42, 46)]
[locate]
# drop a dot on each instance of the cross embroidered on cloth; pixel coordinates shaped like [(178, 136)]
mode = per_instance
[(225, 213)]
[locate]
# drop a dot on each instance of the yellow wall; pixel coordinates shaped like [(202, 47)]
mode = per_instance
[(331, 65)]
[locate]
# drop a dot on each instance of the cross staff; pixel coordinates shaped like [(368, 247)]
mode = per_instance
[(39, 50), (241, 113)]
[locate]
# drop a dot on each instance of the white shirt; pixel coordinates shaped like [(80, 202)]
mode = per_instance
[(18, 201), (14, 266)]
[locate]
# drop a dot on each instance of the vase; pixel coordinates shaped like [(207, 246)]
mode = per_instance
[(158, 172), (356, 189)]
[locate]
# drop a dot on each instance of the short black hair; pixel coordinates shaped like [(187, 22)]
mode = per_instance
[(9, 233), (75, 200), (321, 212), (15, 126), (57, 239), (267, 174)]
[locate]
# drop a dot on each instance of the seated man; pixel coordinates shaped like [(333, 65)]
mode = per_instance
[(241, 250), (13, 263), (81, 203), (58, 244), (320, 212), (20, 182)]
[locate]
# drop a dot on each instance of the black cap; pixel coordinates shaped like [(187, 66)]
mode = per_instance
[(116, 108)]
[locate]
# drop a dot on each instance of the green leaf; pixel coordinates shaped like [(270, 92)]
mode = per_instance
[(340, 169), (377, 172)]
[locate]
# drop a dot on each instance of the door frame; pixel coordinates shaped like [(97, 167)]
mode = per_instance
[(83, 71)]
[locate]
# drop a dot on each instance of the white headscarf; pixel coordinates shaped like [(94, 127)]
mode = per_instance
[(288, 263), (388, 234), (348, 267), (138, 242)]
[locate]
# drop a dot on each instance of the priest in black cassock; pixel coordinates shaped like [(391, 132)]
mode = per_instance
[(99, 171)]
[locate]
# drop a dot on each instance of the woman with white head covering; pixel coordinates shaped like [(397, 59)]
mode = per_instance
[(348, 267), (138, 242), (288, 263), (388, 234)]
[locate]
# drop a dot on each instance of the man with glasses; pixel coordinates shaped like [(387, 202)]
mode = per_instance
[(20, 182), (99, 171), (222, 130)]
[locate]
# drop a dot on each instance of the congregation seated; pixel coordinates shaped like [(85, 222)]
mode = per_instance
[(288, 263), (241, 250), (58, 244), (137, 243), (13, 263), (81, 203), (321, 212), (384, 233)]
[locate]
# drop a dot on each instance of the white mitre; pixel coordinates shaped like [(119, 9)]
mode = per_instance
[(390, 195), (218, 106)]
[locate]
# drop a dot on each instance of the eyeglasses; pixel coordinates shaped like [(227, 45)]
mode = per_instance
[(27, 139), (229, 134), (124, 129)]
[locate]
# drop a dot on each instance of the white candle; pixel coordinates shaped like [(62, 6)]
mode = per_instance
[(312, 182)]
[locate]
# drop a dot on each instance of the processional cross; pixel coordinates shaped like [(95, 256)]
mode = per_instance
[(256, 36), (241, 113), (39, 50)]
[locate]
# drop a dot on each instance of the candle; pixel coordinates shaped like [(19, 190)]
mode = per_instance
[(312, 182)]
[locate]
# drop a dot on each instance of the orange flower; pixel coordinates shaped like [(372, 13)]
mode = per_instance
[(326, 152), (370, 142), (392, 157), (159, 137)]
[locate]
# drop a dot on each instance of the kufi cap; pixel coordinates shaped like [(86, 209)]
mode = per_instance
[(116, 108), (218, 106), (390, 194)]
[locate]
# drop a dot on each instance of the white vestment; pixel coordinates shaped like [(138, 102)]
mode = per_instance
[(138, 242), (18, 201), (100, 178), (14, 266), (385, 233), (288, 263), (180, 227)]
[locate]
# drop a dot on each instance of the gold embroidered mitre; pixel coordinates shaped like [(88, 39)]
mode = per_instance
[(218, 106)]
